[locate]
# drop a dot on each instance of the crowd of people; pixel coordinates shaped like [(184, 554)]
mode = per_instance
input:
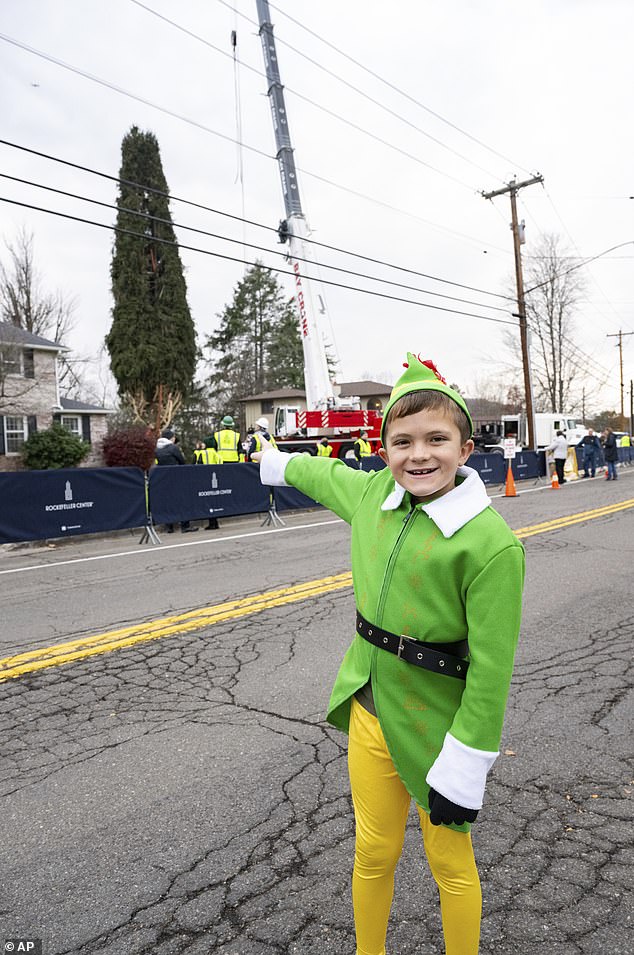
[(226, 446), (591, 444)]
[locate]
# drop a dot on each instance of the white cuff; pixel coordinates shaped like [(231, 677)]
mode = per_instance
[(273, 466), (459, 773)]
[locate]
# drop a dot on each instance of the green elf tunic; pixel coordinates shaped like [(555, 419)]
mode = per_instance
[(446, 570)]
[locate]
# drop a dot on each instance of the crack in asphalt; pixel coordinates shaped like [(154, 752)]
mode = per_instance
[(553, 842)]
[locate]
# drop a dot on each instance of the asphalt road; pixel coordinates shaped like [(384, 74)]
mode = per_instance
[(182, 795)]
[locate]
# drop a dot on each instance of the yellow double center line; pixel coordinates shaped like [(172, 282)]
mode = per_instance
[(72, 650), (166, 626), (558, 522)]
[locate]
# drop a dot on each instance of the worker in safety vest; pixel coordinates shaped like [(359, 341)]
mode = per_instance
[(254, 442), (362, 447), (226, 442), (324, 448), (626, 443), (205, 455)]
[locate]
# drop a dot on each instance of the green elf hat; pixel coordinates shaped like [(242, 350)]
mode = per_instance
[(422, 375)]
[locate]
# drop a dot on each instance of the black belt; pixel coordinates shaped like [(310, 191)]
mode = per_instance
[(441, 658)]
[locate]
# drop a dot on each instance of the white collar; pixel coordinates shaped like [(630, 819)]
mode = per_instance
[(455, 508)]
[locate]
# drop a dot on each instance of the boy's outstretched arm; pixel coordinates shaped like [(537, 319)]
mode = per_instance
[(328, 481)]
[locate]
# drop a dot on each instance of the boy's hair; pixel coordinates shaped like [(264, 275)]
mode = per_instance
[(429, 400)]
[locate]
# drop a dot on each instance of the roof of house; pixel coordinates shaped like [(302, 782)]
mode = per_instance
[(69, 404), (364, 388), (360, 388), (19, 336), (282, 393)]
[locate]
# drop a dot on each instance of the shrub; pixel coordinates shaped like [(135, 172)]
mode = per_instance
[(54, 448), (129, 448)]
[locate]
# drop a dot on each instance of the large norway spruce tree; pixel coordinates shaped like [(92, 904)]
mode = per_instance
[(152, 340)]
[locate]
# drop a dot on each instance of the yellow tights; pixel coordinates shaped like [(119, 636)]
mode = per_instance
[(381, 806)]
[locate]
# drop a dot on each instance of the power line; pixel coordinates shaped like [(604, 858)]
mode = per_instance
[(580, 265), (123, 92), (581, 360), (249, 245), (547, 258), (307, 99), (384, 142), (259, 225), (344, 82), (230, 258), (602, 375), (572, 346), (598, 310), (395, 88), (402, 212), (312, 102), (201, 126), (592, 276)]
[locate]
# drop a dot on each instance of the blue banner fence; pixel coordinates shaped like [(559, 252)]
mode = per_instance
[(38, 505)]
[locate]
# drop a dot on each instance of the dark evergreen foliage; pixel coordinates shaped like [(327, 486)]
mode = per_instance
[(152, 341), (257, 346)]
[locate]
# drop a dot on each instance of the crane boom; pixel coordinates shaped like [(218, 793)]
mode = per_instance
[(310, 304)]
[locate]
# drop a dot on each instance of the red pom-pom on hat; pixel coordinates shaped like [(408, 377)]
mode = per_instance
[(428, 364)]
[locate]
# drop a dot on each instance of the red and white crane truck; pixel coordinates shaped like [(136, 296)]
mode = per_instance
[(328, 416)]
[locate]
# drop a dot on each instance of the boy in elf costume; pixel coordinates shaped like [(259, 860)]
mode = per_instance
[(433, 567)]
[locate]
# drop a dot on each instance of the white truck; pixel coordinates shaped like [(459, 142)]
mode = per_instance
[(546, 427)]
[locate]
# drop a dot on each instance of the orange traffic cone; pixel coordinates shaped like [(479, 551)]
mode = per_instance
[(555, 482), (510, 483)]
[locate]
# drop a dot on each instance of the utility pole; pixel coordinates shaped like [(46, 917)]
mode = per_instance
[(513, 188), (619, 335)]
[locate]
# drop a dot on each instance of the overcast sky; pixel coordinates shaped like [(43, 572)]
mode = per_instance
[(465, 96)]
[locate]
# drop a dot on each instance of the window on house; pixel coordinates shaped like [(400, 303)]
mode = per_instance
[(10, 360), (267, 407), (72, 423), (15, 433), (28, 361)]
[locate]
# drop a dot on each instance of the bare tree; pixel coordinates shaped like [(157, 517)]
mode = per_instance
[(553, 292), (25, 303)]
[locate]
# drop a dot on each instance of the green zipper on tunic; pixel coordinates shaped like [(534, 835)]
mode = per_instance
[(387, 577)]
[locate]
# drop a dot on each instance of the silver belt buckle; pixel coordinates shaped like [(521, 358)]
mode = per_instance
[(401, 646)]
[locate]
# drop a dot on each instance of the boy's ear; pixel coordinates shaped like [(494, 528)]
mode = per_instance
[(466, 451), (382, 453)]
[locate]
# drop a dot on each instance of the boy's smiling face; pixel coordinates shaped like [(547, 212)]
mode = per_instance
[(423, 451)]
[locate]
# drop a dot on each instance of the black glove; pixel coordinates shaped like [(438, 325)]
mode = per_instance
[(442, 810)]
